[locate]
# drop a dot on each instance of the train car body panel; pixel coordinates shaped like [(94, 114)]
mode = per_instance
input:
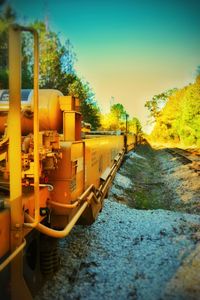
[(68, 179), (99, 155)]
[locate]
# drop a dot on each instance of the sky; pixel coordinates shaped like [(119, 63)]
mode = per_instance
[(128, 50)]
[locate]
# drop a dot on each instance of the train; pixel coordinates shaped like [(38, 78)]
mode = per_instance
[(51, 177)]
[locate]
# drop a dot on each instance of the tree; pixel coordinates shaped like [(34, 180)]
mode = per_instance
[(118, 110), (56, 63), (118, 115), (7, 17), (56, 60), (90, 114), (57, 71), (134, 126), (189, 124), (115, 119), (27, 58), (77, 89), (89, 108), (179, 120), (198, 75), (109, 122), (156, 104)]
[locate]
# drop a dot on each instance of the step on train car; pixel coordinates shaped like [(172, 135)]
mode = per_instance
[(51, 179)]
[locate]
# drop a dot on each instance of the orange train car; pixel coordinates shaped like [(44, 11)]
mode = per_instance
[(50, 177)]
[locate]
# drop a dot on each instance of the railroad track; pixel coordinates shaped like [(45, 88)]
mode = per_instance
[(191, 157)]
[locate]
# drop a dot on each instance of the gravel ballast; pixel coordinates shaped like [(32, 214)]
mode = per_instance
[(127, 253)]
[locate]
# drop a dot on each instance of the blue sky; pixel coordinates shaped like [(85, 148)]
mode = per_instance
[(127, 49)]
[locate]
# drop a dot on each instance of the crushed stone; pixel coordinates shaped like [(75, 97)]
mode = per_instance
[(132, 253), (126, 253)]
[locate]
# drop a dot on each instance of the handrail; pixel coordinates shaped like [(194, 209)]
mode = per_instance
[(36, 126), (59, 233), (35, 119), (49, 186), (63, 205), (15, 190), (82, 196), (63, 233), (12, 255)]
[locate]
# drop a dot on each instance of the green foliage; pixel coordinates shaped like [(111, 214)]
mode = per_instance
[(117, 118), (57, 71), (27, 57), (189, 129), (55, 59), (118, 111), (179, 120), (77, 89), (7, 17), (90, 114), (156, 104), (134, 126), (56, 64), (198, 75), (89, 108)]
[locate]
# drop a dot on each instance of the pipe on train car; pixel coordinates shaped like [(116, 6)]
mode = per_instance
[(63, 233), (59, 233), (75, 204)]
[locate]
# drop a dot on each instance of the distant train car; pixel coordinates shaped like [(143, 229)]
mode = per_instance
[(51, 178), (85, 128)]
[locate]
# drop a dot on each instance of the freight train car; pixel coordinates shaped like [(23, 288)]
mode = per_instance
[(50, 178)]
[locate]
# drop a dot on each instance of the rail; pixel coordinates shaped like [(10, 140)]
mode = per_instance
[(186, 157)]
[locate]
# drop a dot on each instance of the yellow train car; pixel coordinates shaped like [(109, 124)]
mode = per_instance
[(50, 178)]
